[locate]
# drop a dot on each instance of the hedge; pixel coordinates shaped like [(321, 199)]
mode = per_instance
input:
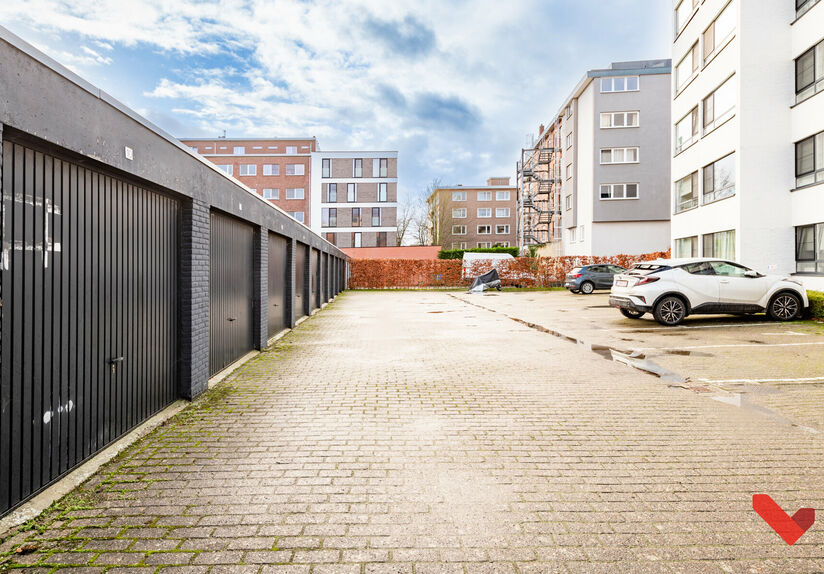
[(522, 271), (458, 253), (816, 304)]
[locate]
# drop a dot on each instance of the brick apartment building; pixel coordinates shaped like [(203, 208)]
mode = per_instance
[(277, 169), (463, 217), (357, 197)]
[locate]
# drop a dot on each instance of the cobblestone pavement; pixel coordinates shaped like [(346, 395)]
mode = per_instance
[(412, 433)]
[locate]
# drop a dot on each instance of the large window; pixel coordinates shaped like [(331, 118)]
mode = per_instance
[(501, 196), (686, 193), (294, 193), (719, 31), (719, 106), (619, 191), (357, 239), (802, 6), (683, 13), (382, 193), (686, 247), (351, 192), (271, 193), (809, 248), (295, 169), (809, 73), (502, 229), (484, 212), (619, 155), (459, 230), (686, 131), (484, 244), (227, 169), (297, 215), (624, 84), (356, 217), (484, 196), (357, 168), (458, 196), (721, 245), (271, 169), (239, 150), (611, 120), (719, 179), (376, 217), (686, 68), (383, 170), (501, 212), (809, 160), (248, 169), (381, 239), (329, 217), (326, 168), (291, 150), (484, 229), (459, 213), (332, 193)]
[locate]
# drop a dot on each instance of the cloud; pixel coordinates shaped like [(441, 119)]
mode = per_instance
[(408, 37), (448, 111)]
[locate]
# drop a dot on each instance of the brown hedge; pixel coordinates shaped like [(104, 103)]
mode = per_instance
[(522, 271)]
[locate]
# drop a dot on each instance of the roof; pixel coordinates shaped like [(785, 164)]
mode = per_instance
[(408, 252)]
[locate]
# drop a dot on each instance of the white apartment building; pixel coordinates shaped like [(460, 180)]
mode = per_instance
[(748, 134)]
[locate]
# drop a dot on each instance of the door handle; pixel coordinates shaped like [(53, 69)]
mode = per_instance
[(725, 281)]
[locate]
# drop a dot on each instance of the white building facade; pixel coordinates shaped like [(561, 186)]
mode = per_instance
[(748, 134)]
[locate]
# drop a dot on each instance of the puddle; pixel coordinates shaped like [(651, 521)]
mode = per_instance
[(686, 353)]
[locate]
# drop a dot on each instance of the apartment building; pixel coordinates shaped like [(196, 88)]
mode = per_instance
[(466, 217), (748, 137), (277, 169), (355, 197), (615, 172)]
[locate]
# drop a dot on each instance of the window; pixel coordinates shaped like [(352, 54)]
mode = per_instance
[(295, 169), (484, 212), (239, 150), (719, 179), (721, 245), (329, 217), (686, 247), (297, 215), (461, 245), (382, 193), (502, 229), (686, 68), (484, 229), (809, 73), (376, 217), (719, 32), (501, 196), (459, 213), (572, 238), (294, 193), (458, 196), (809, 160), (686, 131), (501, 244), (484, 196), (619, 120), (569, 171), (619, 155), (271, 169), (248, 169), (626, 84), (719, 106), (569, 202), (619, 191), (569, 111), (381, 239), (384, 167), (332, 193), (569, 141), (802, 6), (227, 169), (271, 193), (326, 168), (357, 239), (581, 233), (332, 238), (356, 217), (484, 244), (351, 192), (459, 230), (686, 193), (683, 14), (357, 168), (501, 212), (809, 248), (291, 150)]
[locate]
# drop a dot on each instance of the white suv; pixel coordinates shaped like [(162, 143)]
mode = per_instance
[(671, 289)]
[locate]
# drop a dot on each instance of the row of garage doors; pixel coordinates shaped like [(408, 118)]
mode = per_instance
[(89, 294)]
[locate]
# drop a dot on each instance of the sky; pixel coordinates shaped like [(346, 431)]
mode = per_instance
[(455, 86)]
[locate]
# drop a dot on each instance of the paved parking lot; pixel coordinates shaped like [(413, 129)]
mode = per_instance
[(416, 433), (749, 361)]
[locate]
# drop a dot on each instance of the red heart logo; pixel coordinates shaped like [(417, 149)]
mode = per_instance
[(790, 528)]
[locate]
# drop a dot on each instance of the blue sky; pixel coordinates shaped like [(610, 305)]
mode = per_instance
[(453, 85)]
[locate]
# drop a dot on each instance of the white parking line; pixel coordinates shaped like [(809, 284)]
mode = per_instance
[(801, 380), (724, 326)]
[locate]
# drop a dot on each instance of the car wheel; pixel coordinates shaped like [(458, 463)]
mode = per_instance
[(784, 307), (587, 287), (629, 314), (670, 311), (498, 287)]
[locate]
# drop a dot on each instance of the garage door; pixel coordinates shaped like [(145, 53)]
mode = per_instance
[(231, 296), (88, 340), (315, 279), (300, 280), (278, 279)]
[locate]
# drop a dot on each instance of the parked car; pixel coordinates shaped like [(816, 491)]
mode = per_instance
[(591, 277), (672, 289)]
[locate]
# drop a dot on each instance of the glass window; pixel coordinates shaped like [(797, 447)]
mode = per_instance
[(458, 196), (484, 229), (297, 215), (619, 191), (686, 131), (384, 167), (356, 217), (248, 169), (619, 120), (291, 150), (271, 169), (271, 193), (719, 106), (239, 150), (720, 245), (227, 169), (381, 239), (624, 84), (719, 179), (686, 247), (501, 212), (619, 155), (484, 212), (719, 31), (686, 68), (700, 268), (295, 169), (351, 192), (329, 217), (809, 73), (459, 230), (686, 193), (809, 248), (326, 168), (502, 229), (376, 217), (294, 193), (459, 213), (726, 269), (357, 168), (357, 239), (484, 196), (809, 160), (382, 193), (332, 193), (501, 196), (683, 13)]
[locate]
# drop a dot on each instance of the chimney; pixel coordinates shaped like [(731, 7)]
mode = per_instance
[(541, 129)]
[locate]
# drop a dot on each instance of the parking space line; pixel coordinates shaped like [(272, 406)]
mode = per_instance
[(725, 326), (729, 346), (801, 380)]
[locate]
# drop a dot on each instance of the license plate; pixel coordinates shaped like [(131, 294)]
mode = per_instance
[(621, 283)]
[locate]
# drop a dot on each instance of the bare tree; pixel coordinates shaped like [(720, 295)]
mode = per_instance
[(424, 225), (406, 216)]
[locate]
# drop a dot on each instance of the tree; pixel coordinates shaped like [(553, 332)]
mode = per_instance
[(406, 216)]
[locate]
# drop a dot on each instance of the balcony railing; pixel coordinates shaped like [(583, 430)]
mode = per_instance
[(686, 204), (719, 194)]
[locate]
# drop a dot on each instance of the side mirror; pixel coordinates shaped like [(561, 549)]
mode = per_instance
[(752, 274)]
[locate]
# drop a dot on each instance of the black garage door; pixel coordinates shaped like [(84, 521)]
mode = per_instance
[(231, 295), (88, 344), (278, 279), (300, 280), (315, 257)]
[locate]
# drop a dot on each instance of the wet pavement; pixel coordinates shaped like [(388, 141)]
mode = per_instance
[(416, 433)]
